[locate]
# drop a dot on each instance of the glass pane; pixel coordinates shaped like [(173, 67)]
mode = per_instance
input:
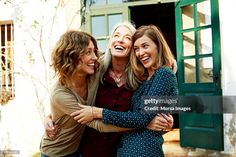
[(113, 20), (204, 13), (205, 41), (189, 71), (98, 26), (187, 17), (102, 45), (188, 44), (2, 35), (114, 1), (206, 69), (96, 2)]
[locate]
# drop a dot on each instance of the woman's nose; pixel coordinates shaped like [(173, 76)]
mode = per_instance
[(121, 38), (94, 56)]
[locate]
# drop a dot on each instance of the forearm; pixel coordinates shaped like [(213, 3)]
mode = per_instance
[(126, 119), (122, 119), (101, 127)]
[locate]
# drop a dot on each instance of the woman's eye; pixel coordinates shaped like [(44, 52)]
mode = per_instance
[(145, 46), (116, 36), (136, 49), (88, 52), (129, 38)]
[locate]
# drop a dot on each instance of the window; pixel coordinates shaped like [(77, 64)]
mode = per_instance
[(103, 2), (6, 67), (102, 26)]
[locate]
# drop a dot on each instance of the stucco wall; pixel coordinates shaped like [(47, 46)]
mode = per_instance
[(37, 26), (228, 58)]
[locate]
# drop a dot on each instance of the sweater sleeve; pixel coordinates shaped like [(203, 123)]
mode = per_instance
[(101, 127), (64, 101), (164, 84)]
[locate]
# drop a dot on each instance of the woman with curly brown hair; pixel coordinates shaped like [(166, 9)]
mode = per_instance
[(74, 60)]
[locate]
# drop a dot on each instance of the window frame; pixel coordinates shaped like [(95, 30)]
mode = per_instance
[(7, 83)]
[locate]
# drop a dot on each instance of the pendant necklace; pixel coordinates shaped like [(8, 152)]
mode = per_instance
[(117, 79)]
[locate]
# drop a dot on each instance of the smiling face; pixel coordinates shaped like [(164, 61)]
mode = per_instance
[(88, 60), (146, 52), (121, 42)]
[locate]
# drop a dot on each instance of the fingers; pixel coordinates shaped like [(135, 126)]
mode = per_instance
[(52, 131), (162, 117), (53, 134), (73, 114), (50, 125), (168, 117), (160, 123), (78, 117), (82, 121), (170, 120)]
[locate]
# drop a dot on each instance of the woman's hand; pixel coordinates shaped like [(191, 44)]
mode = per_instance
[(161, 122), (51, 129), (170, 121), (84, 115)]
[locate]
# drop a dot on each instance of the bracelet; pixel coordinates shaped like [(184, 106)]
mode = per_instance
[(92, 112)]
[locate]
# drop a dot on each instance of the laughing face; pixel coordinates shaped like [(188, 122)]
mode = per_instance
[(146, 52), (121, 42), (88, 60)]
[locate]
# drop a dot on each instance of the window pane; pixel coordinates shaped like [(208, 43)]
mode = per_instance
[(113, 20), (2, 35), (205, 41), (206, 69), (189, 71), (204, 13), (188, 44), (96, 2), (187, 17), (114, 1), (102, 45), (98, 26)]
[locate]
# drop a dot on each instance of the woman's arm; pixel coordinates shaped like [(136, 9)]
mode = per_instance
[(164, 84), (137, 119), (101, 127), (158, 123)]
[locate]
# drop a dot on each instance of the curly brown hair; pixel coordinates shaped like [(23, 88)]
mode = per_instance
[(67, 51)]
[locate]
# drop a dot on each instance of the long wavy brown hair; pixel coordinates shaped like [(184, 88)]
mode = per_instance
[(67, 51), (164, 56)]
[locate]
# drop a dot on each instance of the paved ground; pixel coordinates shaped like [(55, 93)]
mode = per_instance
[(172, 148)]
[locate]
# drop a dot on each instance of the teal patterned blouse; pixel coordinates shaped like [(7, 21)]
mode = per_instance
[(143, 142)]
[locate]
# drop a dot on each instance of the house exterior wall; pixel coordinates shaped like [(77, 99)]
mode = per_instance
[(37, 26), (33, 75), (228, 56)]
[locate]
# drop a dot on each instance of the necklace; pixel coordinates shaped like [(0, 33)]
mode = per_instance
[(116, 78)]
